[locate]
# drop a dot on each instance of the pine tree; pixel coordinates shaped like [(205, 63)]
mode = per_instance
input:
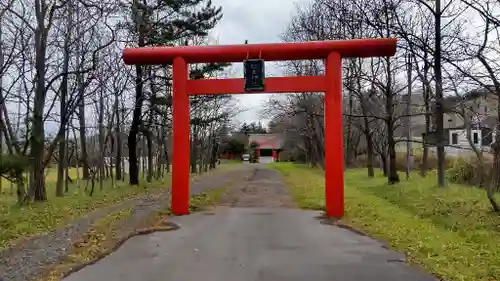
[(160, 23)]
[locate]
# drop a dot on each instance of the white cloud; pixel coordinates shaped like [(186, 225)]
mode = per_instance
[(258, 21)]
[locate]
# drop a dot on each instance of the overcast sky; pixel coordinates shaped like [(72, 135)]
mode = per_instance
[(258, 21)]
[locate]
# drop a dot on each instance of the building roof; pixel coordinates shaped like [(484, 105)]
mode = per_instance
[(267, 141), (471, 95)]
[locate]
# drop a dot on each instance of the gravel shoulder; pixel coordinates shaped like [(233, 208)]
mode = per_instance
[(29, 259)]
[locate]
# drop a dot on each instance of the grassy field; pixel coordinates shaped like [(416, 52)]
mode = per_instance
[(18, 222), (230, 161), (450, 232), (21, 222)]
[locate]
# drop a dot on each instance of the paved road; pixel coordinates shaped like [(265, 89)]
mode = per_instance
[(251, 243)]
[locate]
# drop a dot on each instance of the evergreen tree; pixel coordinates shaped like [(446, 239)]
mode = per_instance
[(170, 23), (252, 128)]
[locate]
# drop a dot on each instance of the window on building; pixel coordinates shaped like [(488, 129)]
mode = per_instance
[(454, 138), (475, 138)]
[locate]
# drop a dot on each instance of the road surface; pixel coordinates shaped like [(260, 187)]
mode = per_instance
[(243, 241)]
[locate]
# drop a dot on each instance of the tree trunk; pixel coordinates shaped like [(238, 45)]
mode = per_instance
[(194, 152), (77, 160), (61, 167), (215, 150), (63, 111), (383, 159), (139, 97), (21, 193), (393, 176), (425, 154), (101, 139), (349, 139), (112, 149), (159, 159), (67, 162), (408, 123), (496, 160), (143, 155), (37, 184), (1, 97), (82, 130), (167, 159), (118, 143), (439, 98), (369, 149), (134, 128), (149, 143), (159, 153), (367, 132)]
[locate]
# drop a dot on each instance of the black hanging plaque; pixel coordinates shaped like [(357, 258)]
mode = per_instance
[(254, 75)]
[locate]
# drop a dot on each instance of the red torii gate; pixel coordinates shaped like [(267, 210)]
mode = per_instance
[(331, 83), (267, 142)]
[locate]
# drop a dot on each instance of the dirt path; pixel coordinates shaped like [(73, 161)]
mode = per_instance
[(262, 188), (256, 236)]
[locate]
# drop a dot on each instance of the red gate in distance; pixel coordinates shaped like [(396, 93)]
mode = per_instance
[(261, 143), (331, 83)]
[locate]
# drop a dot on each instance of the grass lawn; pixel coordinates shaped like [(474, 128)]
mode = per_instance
[(21, 222), (231, 161), (450, 232)]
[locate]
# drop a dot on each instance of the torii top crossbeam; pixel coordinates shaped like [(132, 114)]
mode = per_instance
[(379, 47)]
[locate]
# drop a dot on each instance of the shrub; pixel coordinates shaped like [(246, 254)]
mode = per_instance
[(11, 166), (469, 171), (461, 170), (284, 156), (361, 161), (417, 161)]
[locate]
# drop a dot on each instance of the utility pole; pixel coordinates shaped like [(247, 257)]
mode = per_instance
[(409, 156)]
